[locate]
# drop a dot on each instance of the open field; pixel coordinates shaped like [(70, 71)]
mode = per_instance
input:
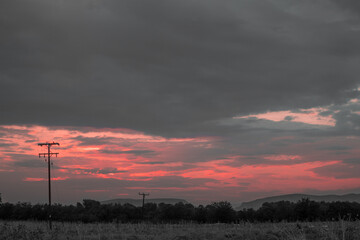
[(245, 231)]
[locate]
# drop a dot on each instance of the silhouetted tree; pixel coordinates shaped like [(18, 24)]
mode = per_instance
[(266, 212), (221, 212), (247, 215), (307, 210), (200, 214), (150, 211)]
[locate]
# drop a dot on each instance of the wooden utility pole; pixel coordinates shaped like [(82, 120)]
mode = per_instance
[(143, 202), (48, 154)]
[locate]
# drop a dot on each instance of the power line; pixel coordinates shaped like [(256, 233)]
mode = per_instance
[(48, 154)]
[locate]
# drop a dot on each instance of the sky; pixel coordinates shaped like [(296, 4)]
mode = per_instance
[(205, 100)]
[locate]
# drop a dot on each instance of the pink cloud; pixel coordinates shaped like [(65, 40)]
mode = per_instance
[(29, 179), (35, 179), (283, 157), (308, 116)]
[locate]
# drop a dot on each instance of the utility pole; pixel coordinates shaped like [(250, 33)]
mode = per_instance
[(48, 154), (143, 202)]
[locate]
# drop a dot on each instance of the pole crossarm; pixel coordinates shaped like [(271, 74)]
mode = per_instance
[(46, 154), (48, 143), (144, 194)]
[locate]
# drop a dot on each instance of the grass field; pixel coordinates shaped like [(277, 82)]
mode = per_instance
[(244, 231)]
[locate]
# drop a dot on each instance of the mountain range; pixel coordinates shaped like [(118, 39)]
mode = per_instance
[(256, 204)]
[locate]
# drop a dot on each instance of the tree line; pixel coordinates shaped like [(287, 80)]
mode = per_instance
[(223, 212)]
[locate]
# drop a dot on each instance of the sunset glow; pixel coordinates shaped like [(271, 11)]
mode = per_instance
[(138, 162)]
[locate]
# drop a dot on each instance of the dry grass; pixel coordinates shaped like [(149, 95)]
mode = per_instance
[(245, 231)]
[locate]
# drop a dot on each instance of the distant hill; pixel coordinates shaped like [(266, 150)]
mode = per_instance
[(138, 202), (256, 204)]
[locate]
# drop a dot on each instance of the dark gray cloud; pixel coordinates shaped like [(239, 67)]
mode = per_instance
[(102, 170), (170, 67), (350, 5), (339, 171), (182, 167), (347, 122), (352, 161), (30, 163), (335, 148), (326, 113), (134, 152), (6, 145), (151, 163), (289, 118), (4, 132)]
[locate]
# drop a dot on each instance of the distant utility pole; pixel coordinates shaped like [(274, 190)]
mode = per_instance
[(143, 203), (48, 154)]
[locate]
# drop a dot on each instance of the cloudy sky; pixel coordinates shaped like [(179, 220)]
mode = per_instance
[(204, 100)]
